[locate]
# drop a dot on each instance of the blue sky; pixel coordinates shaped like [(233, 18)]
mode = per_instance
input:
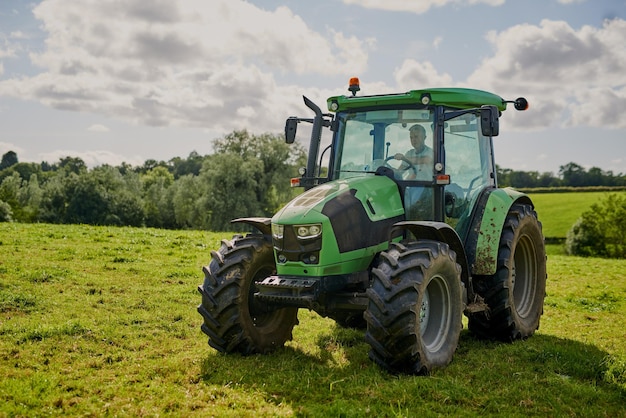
[(112, 81)]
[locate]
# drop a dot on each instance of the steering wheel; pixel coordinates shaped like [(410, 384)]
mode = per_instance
[(456, 198), (471, 184), (406, 170)]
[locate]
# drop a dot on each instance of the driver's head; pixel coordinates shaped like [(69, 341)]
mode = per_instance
[(418, 135)]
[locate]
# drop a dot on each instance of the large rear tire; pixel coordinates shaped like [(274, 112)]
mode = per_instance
[(414, 315), (515, 293), (233, 320)]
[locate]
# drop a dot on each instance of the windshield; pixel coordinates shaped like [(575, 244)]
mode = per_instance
[(401, 139), (468, 153), (469, 164)]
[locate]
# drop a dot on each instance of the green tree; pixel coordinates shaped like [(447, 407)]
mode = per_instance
[(190, 165), (23, 196), (8, 159), (158, 204), (125, 190), (230, 189), (54, 199), (572, 174), (547, 179), (6, 214), (87, 200), (73, 165), (601, 230), (29, 197), (247, 176), (25, 170), (186, 197), (103, 196), (151, 164), (279, 162), (10, 195)]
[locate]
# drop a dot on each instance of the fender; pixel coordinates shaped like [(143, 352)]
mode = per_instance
[(264, 225), (438, 231), (483, 239)]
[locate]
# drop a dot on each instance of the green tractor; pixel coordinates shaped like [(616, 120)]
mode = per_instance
[(401, 229)]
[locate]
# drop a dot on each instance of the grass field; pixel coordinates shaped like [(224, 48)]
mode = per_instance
[(559, 211), (102, 321)]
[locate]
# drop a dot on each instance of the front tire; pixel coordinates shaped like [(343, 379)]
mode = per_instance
[(515, 293), (414, 315), (233, 320)]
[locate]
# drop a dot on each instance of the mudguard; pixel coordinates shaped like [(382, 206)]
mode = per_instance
[(483, 239), (437, 231), (264, 225)]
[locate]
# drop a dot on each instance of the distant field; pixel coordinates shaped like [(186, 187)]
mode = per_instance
[(559, 211), (102, 321)]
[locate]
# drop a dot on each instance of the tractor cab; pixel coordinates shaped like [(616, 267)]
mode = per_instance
[(435, 144), (438, 168)]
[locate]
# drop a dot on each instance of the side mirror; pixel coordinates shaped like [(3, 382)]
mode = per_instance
[(489, 120), (291, 126), (520, 103)]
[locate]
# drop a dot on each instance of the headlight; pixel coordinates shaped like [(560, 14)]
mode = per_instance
[(308, 231), (278, 231)]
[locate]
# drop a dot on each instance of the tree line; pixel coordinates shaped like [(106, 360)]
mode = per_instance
[(247, 175), (569, 175)]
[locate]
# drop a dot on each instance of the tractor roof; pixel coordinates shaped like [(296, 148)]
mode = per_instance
[(458, 98)]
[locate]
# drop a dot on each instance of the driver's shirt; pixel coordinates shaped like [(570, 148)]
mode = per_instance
[(422, 161)]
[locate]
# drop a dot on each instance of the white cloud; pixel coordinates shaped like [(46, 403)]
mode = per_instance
[(18, 35), (179, 63), (217, 65), (416, 6), (571, 77), (413, 73), (246, 112), (601, 107), (98, 128), (7, 49)]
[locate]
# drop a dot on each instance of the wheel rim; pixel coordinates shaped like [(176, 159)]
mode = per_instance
[(260, 315), (435, 314), (424, 312), (523, 277)]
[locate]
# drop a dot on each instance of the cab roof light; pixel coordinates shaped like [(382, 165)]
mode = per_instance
[(355, 85)]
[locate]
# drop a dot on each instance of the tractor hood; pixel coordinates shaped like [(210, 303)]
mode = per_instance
[(377, 196), (353, 216)]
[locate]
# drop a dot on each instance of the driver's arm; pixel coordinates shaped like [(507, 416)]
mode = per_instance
[(399, 156)]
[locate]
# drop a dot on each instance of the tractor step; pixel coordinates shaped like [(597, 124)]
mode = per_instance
[(291, 291)]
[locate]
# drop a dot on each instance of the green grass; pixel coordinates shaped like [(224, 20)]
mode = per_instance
[(102, 321), (559, 211)]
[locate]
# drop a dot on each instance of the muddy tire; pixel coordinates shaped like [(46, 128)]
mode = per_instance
[(515, 293), (414, 315), (233, 321)]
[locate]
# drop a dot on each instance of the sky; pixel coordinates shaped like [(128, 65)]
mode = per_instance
[(114, 81)]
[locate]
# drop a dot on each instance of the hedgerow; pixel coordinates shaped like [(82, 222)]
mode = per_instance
[(601, 230)]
